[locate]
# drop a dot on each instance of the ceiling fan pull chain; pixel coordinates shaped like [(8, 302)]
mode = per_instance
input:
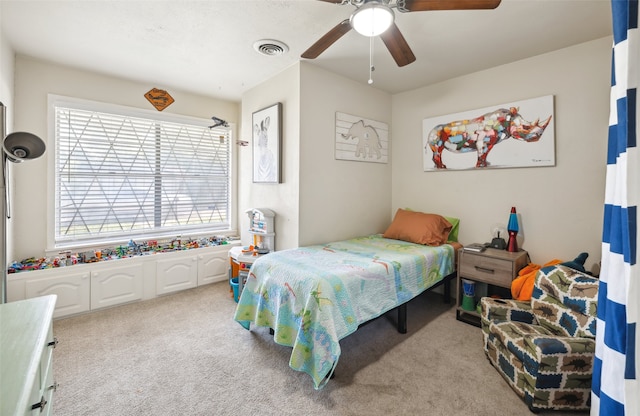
[(371, 68)]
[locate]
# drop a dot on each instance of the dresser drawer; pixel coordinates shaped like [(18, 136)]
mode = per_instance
[(487, 269), (47, 393), (46, 363), (42, 393), (43, 386)]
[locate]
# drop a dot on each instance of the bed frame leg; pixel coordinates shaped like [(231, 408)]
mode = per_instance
[(402, 318), (447, 291)]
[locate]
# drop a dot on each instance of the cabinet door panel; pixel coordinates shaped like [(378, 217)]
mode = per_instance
[(72, 290), (213, 267), (116, 285), (176, 274)]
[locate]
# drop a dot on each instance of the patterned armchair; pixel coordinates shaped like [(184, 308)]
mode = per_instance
[(545, 348)]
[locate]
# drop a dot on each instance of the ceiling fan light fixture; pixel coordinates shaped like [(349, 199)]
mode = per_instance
[(372, 19)]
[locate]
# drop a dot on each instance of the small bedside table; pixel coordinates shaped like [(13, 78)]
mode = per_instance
[(493, 267)]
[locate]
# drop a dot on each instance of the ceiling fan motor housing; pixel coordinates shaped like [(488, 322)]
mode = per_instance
[(372, 18)]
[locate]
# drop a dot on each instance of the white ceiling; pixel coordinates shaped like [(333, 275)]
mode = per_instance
[(206, 47)]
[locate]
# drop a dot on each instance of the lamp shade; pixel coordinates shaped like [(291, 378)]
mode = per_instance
[(20, 146), (372, 19)]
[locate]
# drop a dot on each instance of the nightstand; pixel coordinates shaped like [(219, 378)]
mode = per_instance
[(495, 268)]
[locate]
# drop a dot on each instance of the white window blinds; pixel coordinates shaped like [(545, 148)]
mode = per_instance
[(120, 177)]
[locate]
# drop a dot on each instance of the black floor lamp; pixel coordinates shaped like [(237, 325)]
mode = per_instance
[(16, 147)]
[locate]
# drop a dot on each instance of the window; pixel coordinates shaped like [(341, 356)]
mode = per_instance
[(125, 173)]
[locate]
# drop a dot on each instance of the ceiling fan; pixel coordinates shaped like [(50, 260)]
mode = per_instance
[(391, 36)]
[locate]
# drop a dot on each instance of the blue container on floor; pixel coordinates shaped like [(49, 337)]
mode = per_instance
[(234, 286)]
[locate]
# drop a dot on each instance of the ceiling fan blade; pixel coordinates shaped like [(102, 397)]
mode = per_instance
[(333, 1), (426, 5), (327, 40), (398, 46)]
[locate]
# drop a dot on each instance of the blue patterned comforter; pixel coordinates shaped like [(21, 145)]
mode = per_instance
[(314, 296)]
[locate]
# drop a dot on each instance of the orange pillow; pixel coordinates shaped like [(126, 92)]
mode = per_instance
[(419, 228)]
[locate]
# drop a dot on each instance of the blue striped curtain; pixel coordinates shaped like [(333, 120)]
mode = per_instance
[(615, 388)]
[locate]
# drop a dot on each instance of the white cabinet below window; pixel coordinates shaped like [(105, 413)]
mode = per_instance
[(87, 287), (82, 291), (186, 269)]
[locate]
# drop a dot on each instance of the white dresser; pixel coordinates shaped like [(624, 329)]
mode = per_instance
[(26, 356)]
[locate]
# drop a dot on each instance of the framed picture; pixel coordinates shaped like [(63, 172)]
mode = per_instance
[(511, 135), (267, 141), (361, 139)]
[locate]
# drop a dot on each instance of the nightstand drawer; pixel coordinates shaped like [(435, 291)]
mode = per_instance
[(487, 269)]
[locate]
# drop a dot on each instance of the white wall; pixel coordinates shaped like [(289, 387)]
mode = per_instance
[(34, 80), (283, 197), (7, 62), (320, 199), (339, 199), (560, 207), (324, 199)]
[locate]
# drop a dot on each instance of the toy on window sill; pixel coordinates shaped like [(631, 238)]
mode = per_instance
[(67, 258), (89, 257)]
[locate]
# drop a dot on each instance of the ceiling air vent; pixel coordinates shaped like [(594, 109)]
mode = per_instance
[(270, 47)]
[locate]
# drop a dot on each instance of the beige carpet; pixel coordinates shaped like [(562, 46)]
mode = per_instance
[(183, 354)]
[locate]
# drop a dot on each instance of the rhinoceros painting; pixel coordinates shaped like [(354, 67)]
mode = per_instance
[(497, 137)]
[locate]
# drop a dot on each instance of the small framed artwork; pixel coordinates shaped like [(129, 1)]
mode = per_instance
[(267, 142)]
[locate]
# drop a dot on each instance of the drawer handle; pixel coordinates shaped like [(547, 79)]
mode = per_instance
[(40, 405), (53, 343), (484, 269)]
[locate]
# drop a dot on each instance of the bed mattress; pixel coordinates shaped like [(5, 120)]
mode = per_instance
[(314, 296)]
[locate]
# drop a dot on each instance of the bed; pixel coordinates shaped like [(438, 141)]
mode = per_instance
[(314, 296)]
